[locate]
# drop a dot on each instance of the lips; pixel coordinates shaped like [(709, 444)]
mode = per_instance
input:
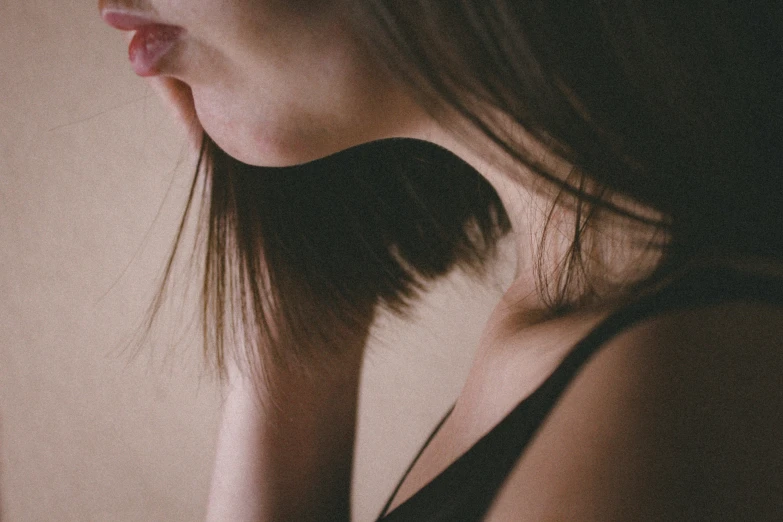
[(151, 43)]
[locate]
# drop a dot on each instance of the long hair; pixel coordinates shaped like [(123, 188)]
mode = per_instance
[(298, 257), (675, 106)]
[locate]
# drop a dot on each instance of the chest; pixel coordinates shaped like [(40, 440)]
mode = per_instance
[(504, 373)]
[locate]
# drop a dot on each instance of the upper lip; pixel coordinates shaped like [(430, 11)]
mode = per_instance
[(126, 20)]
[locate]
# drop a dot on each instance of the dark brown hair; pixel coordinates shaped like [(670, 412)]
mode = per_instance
[(297, 256), (673, 105)]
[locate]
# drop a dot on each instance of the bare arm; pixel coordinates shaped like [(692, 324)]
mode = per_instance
[(291, 461)]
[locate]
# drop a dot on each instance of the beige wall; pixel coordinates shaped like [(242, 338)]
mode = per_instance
[(92, 178)]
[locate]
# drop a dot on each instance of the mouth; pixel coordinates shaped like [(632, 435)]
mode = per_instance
[(152, 41)]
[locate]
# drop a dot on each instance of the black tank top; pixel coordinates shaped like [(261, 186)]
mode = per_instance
[(466, 489)]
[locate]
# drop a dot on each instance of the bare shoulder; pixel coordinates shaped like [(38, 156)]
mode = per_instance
[(677, 418)]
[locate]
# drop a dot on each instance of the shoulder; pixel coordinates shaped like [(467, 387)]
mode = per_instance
[(677, 418)]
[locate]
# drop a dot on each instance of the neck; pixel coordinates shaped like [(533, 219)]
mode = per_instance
[(528, 202)]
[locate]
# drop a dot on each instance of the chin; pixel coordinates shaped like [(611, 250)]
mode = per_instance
[(270, 146), (270, 139)]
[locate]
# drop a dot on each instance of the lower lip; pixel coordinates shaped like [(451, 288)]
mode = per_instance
[(150, 45)]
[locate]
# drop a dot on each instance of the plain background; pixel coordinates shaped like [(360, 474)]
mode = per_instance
[(93, 176)]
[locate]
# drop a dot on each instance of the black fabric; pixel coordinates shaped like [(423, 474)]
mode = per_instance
[(465, 490)]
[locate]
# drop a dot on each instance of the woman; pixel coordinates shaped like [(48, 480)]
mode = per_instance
[(630, 372)]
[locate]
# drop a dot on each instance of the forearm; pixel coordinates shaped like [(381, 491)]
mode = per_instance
[(291, 458)]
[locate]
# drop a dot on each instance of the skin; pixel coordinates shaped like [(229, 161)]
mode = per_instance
[(278, 82)]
